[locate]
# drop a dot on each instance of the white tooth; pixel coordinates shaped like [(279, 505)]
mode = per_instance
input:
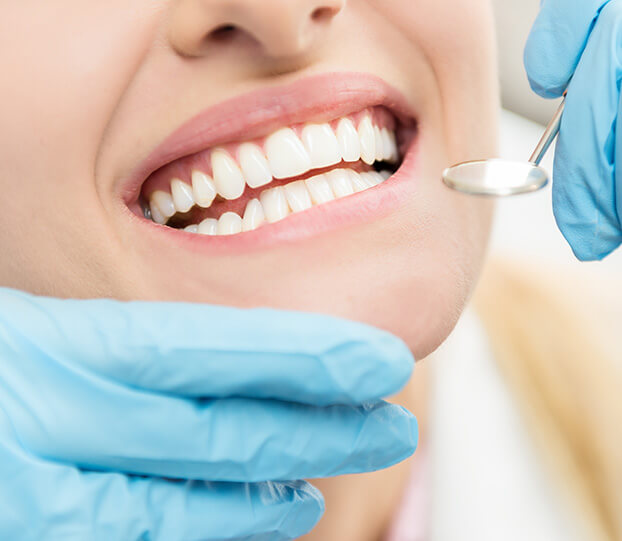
[(349, 142), (379, 144), (321, 144), (274, 204), (339, 181), (229, 223), (320, 189), (370, 178), (286, 154), (156, 213), (228, 178), (254, 165), (164, 202), (253, 215), (357, 181), (203, 189), (367, 138), (208, 226), (388, 148), (182, 195), (298, 196), (386, 175), (192, 229), (378, 177)]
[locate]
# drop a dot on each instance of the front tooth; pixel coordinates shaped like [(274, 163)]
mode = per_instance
[(156, 213), (389, 145), (339, 181), (182, 195), (164, 202), (253, 215), (379, 144), (321, 144), (203, 189), (254, 165), (286, 154), (298, 196), (357, 181), (208, 226), (192, 228), (228, 178), (229, 223), (349, 142), (367, 138), (274, 204), (320, 190)]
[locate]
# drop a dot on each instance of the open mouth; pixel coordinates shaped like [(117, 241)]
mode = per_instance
[(239, 187)]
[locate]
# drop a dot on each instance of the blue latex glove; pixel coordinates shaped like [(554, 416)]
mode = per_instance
[(109, 410), (582, 40)]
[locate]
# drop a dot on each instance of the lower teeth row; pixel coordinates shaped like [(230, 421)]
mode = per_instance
[(276, 204)]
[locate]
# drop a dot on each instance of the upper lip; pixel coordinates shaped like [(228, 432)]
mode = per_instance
[(312, 99)]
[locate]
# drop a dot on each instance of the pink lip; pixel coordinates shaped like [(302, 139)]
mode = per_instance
[(315, 99)]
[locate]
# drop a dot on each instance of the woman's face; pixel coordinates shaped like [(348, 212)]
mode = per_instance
[(103, 104)]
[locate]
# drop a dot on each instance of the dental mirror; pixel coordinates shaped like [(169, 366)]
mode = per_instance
[(501, 178)]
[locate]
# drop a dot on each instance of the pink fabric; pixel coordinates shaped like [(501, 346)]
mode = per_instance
[(411, 520)]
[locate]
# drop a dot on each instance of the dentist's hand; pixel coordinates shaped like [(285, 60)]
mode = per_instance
[(582, 41), (134, 421)]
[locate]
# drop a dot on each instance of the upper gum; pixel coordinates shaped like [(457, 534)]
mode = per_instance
[(182, 168)]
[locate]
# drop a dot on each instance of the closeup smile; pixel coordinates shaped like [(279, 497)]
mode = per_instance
[(273, 171)]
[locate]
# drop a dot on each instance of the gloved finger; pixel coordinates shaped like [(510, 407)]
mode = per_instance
[(557, 41), (43, 500), (222, 440), (584, 188), (211, 351)]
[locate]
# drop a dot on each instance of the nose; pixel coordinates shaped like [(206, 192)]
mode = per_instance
[(281, 28)]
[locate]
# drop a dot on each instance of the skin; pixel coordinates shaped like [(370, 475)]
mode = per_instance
[(87, 98)]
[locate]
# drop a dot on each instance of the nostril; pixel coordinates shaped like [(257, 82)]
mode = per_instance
[(223, 33), (323, 14)]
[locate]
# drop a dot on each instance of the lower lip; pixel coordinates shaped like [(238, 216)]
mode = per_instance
[(367, 206)]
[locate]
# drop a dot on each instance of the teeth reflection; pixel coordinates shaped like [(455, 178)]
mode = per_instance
[(339, 181), (349, 142), (254, 165), (208, 226), (164, 202), (228, 178), (298, 196), (286, 154), (203, 189), (321, 144), (367, 137), (253, 215), (320, 190), (274, 204), (229, 223), (182, 195)]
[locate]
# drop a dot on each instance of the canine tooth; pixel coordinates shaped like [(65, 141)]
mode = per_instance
[(229, 223), (208, 226), (274, 204), (182, 195), (367, 138), (192, 229), (228, 178), (321, 144), (164, 202), (320, 189), (286, 154), (339, 181), (203, 189), (253, 215), (156, 213), (387, 145), (349, 142), (254, 165), (357, 182), (298, 196), (379, 144)]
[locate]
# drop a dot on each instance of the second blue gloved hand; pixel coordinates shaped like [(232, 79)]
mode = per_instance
[(577, 45), (168, 422)]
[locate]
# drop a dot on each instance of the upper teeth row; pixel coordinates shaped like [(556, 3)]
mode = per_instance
[(284, 155)]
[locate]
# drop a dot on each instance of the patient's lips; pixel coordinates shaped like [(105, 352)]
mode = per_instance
[(239, 187)]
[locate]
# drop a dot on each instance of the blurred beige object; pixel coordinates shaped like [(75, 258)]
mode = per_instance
[(514, 20)]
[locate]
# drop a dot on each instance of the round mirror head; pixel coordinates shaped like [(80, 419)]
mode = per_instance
[(497, 178)]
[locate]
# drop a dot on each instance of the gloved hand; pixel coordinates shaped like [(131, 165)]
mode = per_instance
[(128, 421), (582, 41)]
